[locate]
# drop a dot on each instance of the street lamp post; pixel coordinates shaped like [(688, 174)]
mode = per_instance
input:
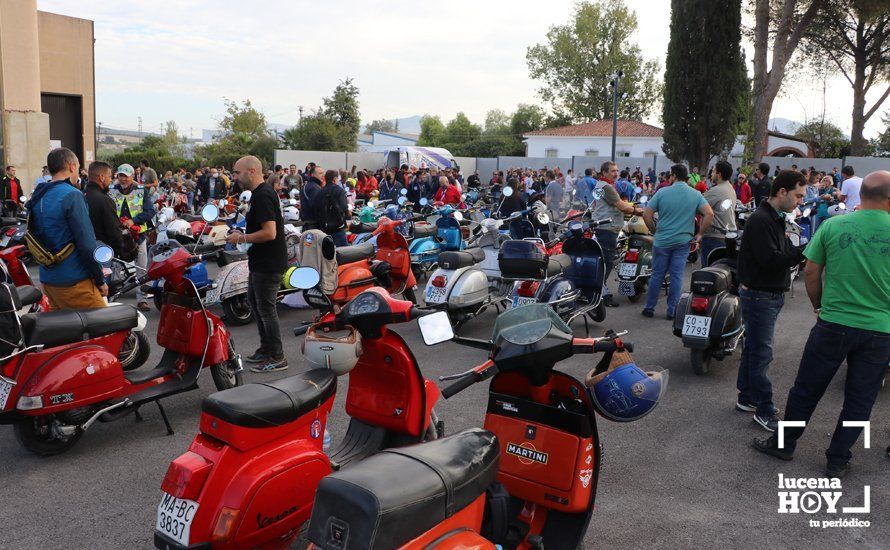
[(616, 79)]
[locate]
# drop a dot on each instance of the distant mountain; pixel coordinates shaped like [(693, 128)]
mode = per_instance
[(407, 125), (783, 125)]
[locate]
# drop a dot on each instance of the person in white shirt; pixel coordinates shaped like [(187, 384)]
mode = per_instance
[(850, 188)]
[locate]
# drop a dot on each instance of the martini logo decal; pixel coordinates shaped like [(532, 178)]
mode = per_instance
[(526, 453)]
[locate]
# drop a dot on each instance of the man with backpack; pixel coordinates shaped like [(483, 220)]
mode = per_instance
[(332, 208)]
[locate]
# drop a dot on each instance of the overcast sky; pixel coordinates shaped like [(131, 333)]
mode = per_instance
[(176, 59)]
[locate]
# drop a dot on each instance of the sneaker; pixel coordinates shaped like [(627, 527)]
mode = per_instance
[(609, 301), (743, 406), (648, 313), (272, 365), (837, 471), (257, 357), (770, 447), (143, 306), (770, 423)]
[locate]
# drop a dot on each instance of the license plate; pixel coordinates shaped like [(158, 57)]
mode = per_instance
[(4, 241), (697, 325), (627, 270), (5, 390), (522, 301), (435, 294), (175, 516)]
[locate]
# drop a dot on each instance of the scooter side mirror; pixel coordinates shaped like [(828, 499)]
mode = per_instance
[(507, 192), (643, 200), (458, 216), (304, 278), (424, 201), (435, 328), (403, 192), (103, 253), (23, 198), (402, 200), (210, 213), (542, 218), (638, 189), (842, 205)]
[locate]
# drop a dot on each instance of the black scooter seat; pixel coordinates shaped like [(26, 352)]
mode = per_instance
[(424, 230), (354, 253), (558, 263), (56, 328), (227, 257), (456, 259), (28, 295), (394, 496), (268, 404), (6, 222)]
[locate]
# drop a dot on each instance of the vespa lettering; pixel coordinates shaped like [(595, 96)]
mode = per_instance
[(527, 453), (263, 521)]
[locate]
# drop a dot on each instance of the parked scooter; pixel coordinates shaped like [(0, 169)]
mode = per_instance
[(55, 384), (635, 265), (248, 479), (709, 318), (425, 250), (528, 480)]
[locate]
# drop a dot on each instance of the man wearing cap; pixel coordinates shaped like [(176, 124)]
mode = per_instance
[(133, 202)]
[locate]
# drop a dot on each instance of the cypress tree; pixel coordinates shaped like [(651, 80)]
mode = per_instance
[(705, 80)]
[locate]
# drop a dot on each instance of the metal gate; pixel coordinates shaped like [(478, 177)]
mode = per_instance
[(65, 120)]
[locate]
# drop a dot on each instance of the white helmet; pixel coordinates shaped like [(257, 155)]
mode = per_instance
[(291, 214), (179, 228), (244, 197), (338, 351)]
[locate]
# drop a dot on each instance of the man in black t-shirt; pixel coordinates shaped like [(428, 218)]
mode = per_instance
[(266, 261)]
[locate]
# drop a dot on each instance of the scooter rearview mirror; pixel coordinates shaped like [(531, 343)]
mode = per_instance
[(424, 201), (507, 192), (402, 200), (210, 213), (842, 205), (542, 218), (23, 198), (223, 203), (638, 189), (643, 200), (403, 192), (304, 278), (435, 328), (458, 216), (103, 253)]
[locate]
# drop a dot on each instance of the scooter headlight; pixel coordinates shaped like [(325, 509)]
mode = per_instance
[(29, 403)]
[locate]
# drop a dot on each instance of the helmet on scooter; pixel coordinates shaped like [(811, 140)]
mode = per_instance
[(624, 392), (244, 197), (179, 228), (636, 226), (338, 350), (291, 214)]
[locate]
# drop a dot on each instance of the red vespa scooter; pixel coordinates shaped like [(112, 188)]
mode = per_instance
[(392, 248), (248, 479), (540, 444), (60, 372), (13, 270)]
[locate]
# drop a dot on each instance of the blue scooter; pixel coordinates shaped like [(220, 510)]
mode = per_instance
[(425, 250)]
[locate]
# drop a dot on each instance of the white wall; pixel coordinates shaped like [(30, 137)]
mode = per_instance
[(567, 147)]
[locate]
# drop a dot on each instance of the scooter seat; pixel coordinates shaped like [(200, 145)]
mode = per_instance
[(28, 295), (648, 239), (558, 263), (456, 259), (392, 497), (267, 404), (6, 222), (227, 257), (56, 328), (191, 217), (195, 248), (354, 253), (424, 230)]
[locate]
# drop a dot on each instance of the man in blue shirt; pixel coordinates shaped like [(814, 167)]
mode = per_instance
[(584, 188), (677, 206), (60, 217)]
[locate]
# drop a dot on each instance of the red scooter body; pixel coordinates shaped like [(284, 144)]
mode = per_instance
[(62, 383), (249, 484), (13, 258), (393, 249)]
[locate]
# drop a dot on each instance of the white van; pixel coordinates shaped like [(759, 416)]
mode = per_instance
[(418, 157)]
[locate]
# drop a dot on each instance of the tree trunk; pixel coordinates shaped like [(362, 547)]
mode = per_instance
[(857, 140)]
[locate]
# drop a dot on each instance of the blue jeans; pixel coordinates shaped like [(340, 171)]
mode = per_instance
[(608, 242), (340, 238), (867, 353), (759, 312), (671, 260), (709, 244)]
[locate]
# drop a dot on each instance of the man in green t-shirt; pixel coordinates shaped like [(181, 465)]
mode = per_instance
[(852, 254)]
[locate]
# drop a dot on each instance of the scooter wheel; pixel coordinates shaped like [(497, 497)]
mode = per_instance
[(135, 350), (38, 436), (701, 361), (237, 310)]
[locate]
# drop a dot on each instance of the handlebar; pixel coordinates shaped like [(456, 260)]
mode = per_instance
[(301, 330), (477, 374)]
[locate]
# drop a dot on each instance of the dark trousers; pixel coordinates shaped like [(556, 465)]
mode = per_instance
[(340, 238), (759, 312), (867, 353), (608, 242), (262, 289), (709, 244)]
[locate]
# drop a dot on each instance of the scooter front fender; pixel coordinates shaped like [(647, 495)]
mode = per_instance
[(232, 280)]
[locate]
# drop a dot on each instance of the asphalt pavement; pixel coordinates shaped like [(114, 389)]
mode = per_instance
[(682, 477)]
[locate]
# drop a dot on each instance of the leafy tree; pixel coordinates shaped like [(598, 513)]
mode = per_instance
[(380, 125), (160, 153), (704, 79), (578, 60), (855, 36), (342, 109), (242, 118), (557, 120), (882, 143), (432, 131), (785, 21), (316, 132), (826, 139), (526, 118), (497, 122), (461, 129)]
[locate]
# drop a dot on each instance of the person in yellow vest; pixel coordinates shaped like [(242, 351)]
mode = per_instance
[(133, 203)]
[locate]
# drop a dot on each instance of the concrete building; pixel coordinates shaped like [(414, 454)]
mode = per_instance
[(47, 87), (378, 142)]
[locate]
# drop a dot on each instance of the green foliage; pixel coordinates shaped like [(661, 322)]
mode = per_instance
[(497, 122), (432, 131), (343, 109), (881, 144), (526, 118), (826, 139), (460, 129), (244, 119), (705, 80), (318, 132), (576, 64), (381, 125), (162, 152)]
